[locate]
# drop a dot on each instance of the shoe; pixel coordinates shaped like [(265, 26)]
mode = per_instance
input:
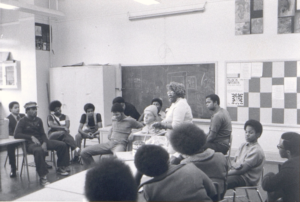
[(75, 159), (44, 181), (12, 173), (48, 166), (61, 171), (67, 168)]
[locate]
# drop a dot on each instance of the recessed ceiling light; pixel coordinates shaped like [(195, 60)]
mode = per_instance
[(147, 2)]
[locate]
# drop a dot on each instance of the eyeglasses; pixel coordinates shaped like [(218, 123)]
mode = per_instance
[(279, 147)]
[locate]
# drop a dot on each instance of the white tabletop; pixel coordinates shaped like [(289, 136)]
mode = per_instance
[(10, 140), (47, 194), (74, 183)]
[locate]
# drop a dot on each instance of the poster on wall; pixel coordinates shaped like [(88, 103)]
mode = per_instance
[(248, 17), (288, 16)]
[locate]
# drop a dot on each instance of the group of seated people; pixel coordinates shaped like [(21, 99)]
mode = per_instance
[(190, 169)]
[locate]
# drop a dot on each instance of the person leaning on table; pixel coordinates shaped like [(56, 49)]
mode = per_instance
[(31, 129)]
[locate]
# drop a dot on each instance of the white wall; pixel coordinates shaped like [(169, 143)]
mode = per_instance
[(18, 38), (100, 32)]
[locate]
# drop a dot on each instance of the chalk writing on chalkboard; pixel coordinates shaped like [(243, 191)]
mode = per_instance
[(143, 83)]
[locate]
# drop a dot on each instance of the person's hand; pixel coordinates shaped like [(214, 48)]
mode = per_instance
[(67, 129), (130, 137), (44, 146), (156, 125), (35, 140)]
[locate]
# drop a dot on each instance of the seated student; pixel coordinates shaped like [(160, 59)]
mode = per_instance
[(161, 114), (59, 125), (118, 136), (249, 159), (149, 117), (13, 118), (129, 109), (188, 139), (110, 180), (171, 182), (285, 184), (31, 129), (90, 122)]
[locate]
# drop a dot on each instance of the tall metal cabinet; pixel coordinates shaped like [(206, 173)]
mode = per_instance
[(77, 85)]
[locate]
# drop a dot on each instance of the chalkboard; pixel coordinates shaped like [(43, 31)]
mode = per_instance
[(140, 84)]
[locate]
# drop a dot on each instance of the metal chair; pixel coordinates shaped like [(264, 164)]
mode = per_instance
[(229, 152), (246, 188), (84, 142)]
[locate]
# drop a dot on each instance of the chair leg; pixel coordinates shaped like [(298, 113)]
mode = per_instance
[(234, 195), (54, 159), (17, 158), (260, 197), (22, 167), (247, 194), (5, 160), (84, 142)]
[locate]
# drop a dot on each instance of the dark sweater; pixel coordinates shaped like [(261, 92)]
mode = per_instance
[(30, 127), (130, 110), (285, 181)]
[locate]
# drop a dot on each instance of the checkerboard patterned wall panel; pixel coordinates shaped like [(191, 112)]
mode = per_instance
[(271, 97)]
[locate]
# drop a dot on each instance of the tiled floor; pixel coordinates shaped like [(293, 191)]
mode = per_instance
[(14, 188)]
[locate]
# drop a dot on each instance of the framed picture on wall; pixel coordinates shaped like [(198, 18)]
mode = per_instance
[(288, 16), (248, 17)]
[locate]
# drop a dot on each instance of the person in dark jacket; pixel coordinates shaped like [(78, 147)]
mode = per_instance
[(285, 184), (31, 129), (170, 182), (188, 139), (13, 118), (129, 109)]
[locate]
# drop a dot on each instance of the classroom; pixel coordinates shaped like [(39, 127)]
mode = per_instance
[(93, 51)]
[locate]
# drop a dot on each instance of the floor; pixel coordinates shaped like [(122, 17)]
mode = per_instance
[(13, 188)]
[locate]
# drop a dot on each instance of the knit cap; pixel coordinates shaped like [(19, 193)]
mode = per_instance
[(153, 109)]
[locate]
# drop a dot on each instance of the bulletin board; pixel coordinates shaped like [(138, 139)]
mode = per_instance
[(265, 91), (140, 84)]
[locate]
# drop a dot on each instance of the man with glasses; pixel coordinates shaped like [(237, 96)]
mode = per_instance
[(285, 184), (31, 129)]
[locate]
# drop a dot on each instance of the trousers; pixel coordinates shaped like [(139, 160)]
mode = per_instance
[(234, 181), (63, 136), (39, 155), (100, 149)]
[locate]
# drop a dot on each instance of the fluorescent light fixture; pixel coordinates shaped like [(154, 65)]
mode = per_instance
[(167, 12), (6, 6), (147, 2)]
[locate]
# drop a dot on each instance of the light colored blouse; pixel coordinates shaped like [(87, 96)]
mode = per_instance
[(179, 112)]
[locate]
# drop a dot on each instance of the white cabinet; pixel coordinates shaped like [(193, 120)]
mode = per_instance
[(75, 86), (8, 75)]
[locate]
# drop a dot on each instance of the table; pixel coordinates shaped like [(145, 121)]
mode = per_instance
[(12, 140), (47, 194)]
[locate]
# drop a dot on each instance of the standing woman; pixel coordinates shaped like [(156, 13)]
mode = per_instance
[(179, 112), (59, 125)]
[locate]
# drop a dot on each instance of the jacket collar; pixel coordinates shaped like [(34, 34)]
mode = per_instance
[(207, 154)]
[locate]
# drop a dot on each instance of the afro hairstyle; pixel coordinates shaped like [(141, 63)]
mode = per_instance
[(110, 180), (54, 104), (256, 125), (89, 106), (117, 108), (177, 88), (151, 160), (291, 142), (118, 100), (157, 100), (187, 138)]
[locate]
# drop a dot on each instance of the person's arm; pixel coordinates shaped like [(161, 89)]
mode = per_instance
[(141, 119), (136, 124), (109, 133), (51, 124), (211, 136), (272, 182), (98, 125), (208, 185), (42, 131), (18, 134), (215, 126), (240, 170), (81, 131)]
